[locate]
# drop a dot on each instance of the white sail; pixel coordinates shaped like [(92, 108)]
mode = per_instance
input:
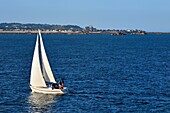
[(41, 71), (46, 69), (36, 78)]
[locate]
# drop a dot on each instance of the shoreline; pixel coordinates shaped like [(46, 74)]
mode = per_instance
[(49, 32), (74, 32)]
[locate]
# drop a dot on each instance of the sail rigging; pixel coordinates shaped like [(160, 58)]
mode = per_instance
[(45, 64), (41, 70)]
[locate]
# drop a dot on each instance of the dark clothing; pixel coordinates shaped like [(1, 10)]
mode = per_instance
[(55, 86)]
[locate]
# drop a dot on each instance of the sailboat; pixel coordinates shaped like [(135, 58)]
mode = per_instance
[(42, 78)]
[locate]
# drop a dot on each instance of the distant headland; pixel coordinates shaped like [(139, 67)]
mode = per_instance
[(63, 29)]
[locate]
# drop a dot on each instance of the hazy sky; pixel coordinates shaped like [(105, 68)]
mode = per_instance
[(149, 15)]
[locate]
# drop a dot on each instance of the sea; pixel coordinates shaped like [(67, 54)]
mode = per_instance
[(103, 73)]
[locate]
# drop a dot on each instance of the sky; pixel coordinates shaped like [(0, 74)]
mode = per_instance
[(148, 15)]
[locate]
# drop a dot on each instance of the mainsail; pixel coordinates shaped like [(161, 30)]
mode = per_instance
[(36, 78)]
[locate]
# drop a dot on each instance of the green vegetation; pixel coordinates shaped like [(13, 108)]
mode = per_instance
[(32, 27), (67, 29)]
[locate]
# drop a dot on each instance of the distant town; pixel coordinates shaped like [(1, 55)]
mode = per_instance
[(63, 29)]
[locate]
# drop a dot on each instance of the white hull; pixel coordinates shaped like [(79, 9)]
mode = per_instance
[(46, 90)]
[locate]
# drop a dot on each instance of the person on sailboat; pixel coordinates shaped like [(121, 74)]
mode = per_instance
[(61, 84), (54, 86)]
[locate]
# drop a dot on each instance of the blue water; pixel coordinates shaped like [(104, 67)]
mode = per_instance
[(104, 73)]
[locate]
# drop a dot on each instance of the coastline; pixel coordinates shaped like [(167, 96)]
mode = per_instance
[(47, 32), (68, 32), (19, 28), (76, 32)]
